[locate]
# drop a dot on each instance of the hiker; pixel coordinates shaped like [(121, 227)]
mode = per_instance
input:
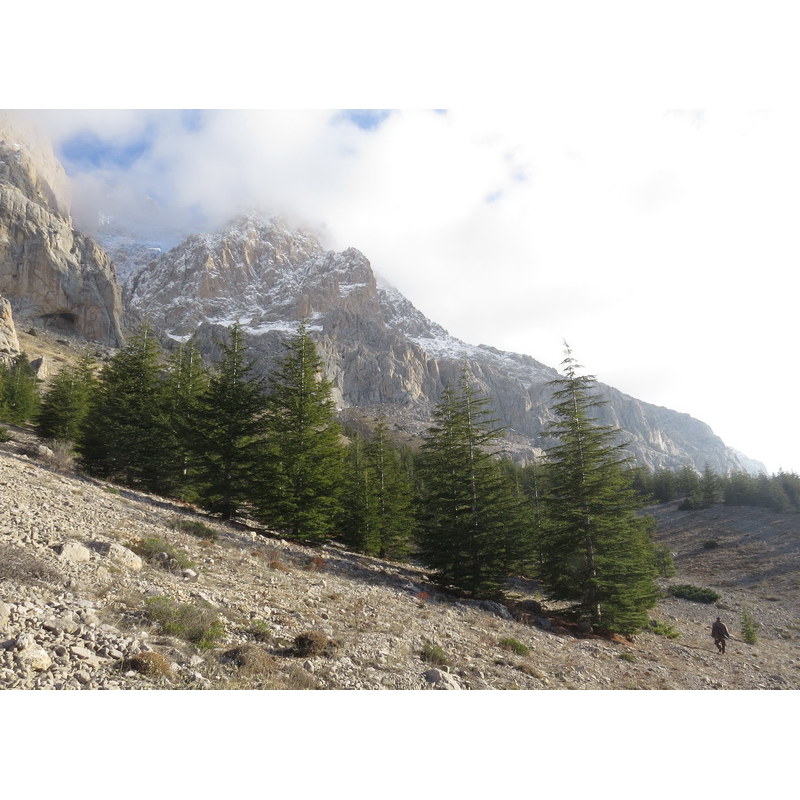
[(719, 630)]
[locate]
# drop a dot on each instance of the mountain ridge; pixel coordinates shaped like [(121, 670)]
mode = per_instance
[(379, 350)]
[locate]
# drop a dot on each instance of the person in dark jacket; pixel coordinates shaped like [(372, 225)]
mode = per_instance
[(719, 630)]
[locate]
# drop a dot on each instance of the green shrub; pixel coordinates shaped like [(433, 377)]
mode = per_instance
[(195, 528), (200, 626), (627, 657), (710, 544), (5, 436), (662, 629), (664, 562), (514, 646), (696, 594), (156, 550), (749, 628), (259, 630), (434, 654)]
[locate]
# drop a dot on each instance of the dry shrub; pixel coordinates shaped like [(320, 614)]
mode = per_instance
[(316, 564), (298, 679), (529, 669), (278, 565), (17, 564), (251, 660), (59, 456), (314, 643), (152, 664)]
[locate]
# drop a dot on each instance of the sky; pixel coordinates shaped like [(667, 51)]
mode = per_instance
[(660, 245)]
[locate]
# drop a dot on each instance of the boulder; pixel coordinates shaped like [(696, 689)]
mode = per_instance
[(35, 658), (118, 554), (498, 609), (441, 679), (74, 551)]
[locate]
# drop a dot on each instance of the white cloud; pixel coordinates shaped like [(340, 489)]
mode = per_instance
[(662, 246)]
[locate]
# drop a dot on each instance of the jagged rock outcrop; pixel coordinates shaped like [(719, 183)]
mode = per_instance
[(9, 344), (381, 353), (53, 275)]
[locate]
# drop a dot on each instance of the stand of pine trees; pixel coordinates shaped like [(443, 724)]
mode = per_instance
[(236, 443)]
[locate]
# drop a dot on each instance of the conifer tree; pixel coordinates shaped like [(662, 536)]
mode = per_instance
[(19, 390), (65, 404), (125, 435), (710, 488), (595, 550), (393, 511), (185, 387), (469, 528), (228, 429), (358, 523), (303, 460)]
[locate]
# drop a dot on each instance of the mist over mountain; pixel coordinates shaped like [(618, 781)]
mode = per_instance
[(381, 353)]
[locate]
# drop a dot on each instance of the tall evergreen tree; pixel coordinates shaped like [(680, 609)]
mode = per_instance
[(393, 499), (185, 388), (19, 390), (229, 425), (300, 481), (595, 550), (469, 528), (358, 523), (65, 404), (125, 435)]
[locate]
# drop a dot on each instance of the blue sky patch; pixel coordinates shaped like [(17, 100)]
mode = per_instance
[(192, 119), (367, 119), (87, 150)]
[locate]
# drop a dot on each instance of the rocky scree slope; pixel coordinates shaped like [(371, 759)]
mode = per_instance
[(380, 352), (80, 609)]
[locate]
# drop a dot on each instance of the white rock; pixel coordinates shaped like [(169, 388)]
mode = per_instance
[(74, 551)]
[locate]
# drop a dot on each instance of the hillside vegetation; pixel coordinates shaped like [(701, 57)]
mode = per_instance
[(106, 587)]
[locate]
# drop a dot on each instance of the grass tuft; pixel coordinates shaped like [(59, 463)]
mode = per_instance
[(434, 654), (200, 626), (514, 646)]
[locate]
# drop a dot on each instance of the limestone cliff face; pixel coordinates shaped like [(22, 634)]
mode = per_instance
[(53, 275), (381, 353), (9, 345)]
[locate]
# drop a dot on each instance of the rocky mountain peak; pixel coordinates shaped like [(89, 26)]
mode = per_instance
[(53, 275), (255, 270), (28, 163), (381, 353)]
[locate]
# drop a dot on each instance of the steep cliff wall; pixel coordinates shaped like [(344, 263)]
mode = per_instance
[(9, 344), (53, 275)]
